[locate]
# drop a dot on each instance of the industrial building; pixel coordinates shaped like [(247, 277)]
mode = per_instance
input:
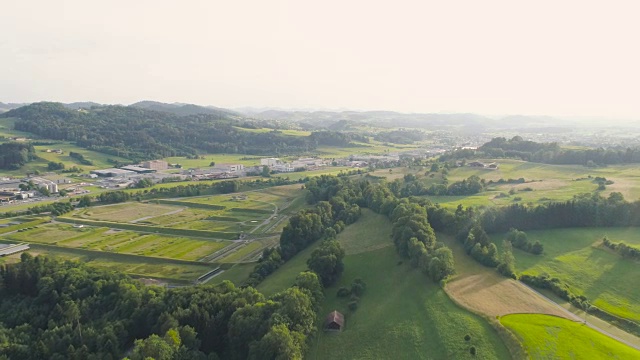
[(139, 169), (155, 165), (8, 249), (112, 172)]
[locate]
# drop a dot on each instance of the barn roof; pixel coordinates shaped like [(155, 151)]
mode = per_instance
[(334, 317)]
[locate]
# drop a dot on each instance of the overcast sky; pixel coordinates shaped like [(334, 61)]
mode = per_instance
[(493, 57)]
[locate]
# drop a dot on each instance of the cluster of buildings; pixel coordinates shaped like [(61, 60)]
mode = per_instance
[(10, 190), (277, 165), (146, 167), (218, 171)]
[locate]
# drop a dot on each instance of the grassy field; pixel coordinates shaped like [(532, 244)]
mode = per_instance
[(402, 315), (574, 256), (125, 212), (550, 337), (546, 183), (126, 242)]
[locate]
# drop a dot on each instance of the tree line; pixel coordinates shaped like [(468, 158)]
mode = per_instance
[(626, 251)]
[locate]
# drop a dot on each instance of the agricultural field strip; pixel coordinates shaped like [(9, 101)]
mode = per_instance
[(196, 234), (97, 253), (578, 319), (127, 242)]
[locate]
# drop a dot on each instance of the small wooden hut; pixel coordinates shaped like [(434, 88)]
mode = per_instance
[(334, 321)]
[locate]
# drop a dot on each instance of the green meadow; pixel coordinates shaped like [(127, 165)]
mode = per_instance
[(551, 337), (575, 256), (544, 183), (401, 315)]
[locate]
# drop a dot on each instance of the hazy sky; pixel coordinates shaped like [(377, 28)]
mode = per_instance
[(561, 57)]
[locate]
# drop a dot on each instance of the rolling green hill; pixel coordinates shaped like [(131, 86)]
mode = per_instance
[(402, 314)]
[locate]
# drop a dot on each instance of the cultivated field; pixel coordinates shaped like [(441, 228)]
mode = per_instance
[(401, 315), (484, 291), (118, 241), (125, 212), (550, 337), (574, 256), (173, 271)]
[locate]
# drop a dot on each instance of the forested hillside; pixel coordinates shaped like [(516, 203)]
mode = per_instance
[(138, 134)]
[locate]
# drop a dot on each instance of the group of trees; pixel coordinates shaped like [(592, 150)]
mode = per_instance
[(335, 208), (556, 286), (412, 232), (519, 240), (66, 310), (139, 134), (53, 166), (549, 153), (410, 185), (80, 158), (14, 155), (623, 249)]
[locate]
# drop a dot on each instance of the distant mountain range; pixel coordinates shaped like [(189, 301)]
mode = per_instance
[(183, 109), (8, 106), (345, 120)]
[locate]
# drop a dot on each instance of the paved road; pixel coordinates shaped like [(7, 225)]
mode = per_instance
[(579, 319)]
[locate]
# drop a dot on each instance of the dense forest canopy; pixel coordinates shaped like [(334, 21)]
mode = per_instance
[(138, 134), (66, 310), (14, 155)]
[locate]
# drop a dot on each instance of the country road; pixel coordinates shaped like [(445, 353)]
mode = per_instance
[(579, 319)]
